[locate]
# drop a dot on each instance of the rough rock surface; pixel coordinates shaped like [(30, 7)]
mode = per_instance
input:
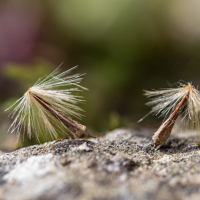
[(113, 167)]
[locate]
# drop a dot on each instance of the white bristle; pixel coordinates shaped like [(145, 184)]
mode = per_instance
[(165, 101), (58, 91)]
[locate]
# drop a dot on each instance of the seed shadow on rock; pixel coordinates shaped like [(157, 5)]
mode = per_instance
[(177, 145), (173, 145)]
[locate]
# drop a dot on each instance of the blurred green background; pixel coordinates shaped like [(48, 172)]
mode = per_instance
[(122, 46)]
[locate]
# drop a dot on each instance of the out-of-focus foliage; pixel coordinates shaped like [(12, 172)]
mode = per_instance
[(123, 46)]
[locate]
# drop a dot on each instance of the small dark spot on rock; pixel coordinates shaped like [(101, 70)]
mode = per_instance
[(130, 164)]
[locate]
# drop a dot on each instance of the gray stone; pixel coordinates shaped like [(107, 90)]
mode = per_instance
[(111, 167)]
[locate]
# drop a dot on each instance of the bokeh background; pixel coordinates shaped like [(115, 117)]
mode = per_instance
[(122, 46)]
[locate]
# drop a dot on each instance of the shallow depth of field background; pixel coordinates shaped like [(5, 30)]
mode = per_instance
[(122, 46)]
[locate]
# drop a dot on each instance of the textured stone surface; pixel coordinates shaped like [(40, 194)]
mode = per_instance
[(111, 167)]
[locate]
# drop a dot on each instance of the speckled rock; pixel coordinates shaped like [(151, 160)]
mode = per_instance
[(111, 167)]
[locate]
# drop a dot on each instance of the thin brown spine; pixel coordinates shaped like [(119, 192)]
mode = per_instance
[(77, 130), (162, 134)]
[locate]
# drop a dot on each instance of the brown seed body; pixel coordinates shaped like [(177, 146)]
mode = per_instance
[(165, 129), (77, 130)]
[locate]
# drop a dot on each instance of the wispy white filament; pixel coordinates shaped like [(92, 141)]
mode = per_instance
[(165, 101), (57, 90)]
